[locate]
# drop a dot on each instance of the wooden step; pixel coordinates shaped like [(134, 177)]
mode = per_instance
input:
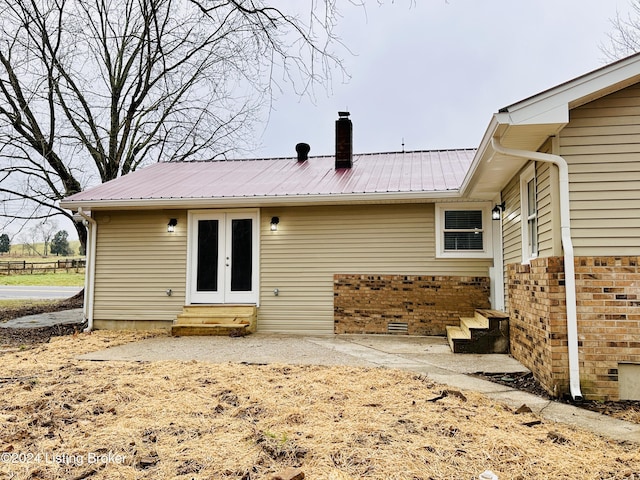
[(199, 329), (457, 338), (486, 332), (215, 320), (472, 325), (226, 309), (212, 318), (494, 318)]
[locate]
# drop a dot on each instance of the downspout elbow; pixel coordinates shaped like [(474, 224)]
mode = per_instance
[(567, 245)]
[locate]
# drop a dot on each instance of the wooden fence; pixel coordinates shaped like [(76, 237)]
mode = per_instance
[(53, 266)]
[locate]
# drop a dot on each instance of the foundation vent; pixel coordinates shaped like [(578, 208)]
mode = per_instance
[(397, 327)]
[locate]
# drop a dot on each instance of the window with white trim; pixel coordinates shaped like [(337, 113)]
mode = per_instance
[(463, 230), (529, 213)]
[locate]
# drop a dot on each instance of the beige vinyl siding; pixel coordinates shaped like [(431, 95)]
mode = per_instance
[(314, 243), (545, 210), (511, 233), (137, 260), (511, 230), (548, 196), (601, 143)]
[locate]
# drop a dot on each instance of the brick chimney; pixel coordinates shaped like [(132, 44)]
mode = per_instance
[(344, 141)]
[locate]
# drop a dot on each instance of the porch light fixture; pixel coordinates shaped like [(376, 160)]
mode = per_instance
[(496, 213), (274, 224), (171, 226)]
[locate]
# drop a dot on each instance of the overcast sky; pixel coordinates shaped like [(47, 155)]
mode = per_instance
[(433, 73)]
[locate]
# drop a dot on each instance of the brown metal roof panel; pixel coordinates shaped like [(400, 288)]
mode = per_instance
[(371, 173)]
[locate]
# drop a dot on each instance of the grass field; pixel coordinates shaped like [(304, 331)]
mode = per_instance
[(61, 279), (25, 303), (22, 253), (35, 252)]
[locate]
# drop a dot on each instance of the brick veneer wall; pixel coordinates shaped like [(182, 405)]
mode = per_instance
[(368, 303), (608, 308), (538, 325)]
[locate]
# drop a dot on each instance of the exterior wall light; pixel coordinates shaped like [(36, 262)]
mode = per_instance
[(496, 213), (274, 224), (171, 226)]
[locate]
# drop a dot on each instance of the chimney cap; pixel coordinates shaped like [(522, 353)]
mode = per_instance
[(343, 114)]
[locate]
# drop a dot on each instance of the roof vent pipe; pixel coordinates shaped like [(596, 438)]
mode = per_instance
[(303, 151), (344, 141)]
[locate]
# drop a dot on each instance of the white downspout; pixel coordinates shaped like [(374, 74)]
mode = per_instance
[(567, 245), (90, 276)]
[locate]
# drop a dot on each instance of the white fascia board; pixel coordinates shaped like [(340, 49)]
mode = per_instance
[(267, 201), (537, 114), (485, 144)]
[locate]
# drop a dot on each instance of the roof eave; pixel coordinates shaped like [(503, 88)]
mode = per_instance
[(527, 124), (489, 173), (263, 201)]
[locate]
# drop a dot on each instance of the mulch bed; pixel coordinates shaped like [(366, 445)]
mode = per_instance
[(527, 383)]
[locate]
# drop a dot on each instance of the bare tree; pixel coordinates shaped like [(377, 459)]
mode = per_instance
[(93, 89), (624, 39)]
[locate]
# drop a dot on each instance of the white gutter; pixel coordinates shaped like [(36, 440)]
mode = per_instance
[(90, 275), (567, 245), (262, 200)]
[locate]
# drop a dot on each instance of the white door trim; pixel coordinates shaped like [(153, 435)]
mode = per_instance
[(224, 294)]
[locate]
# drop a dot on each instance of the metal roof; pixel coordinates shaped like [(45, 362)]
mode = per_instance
[(418, 172)]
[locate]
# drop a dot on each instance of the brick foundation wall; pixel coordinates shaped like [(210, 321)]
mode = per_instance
[(538, 325), (608, 308), (368, 303)]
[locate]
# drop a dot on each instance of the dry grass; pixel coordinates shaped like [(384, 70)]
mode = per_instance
[(189, 420)]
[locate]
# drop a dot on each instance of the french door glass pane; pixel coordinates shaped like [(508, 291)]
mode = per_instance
[(207, 280), (241, 250)]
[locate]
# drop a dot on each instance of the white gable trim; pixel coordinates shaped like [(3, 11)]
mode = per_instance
[(553, 105)]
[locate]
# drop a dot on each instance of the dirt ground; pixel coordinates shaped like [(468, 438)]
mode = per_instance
[(62, 418)]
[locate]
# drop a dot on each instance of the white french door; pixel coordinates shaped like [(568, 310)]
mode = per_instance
[(223, 257)]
